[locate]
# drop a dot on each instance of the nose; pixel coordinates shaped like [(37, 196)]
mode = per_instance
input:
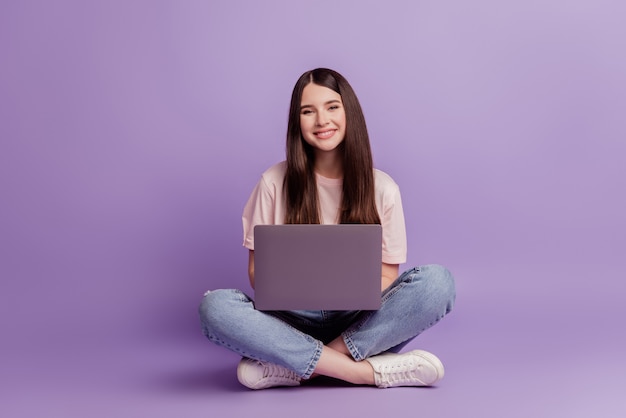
[(321, 119)]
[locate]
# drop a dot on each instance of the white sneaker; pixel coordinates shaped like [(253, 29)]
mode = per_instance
[(256, 374), (415, 368)]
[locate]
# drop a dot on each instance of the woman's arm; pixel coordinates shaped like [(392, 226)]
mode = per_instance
[(251, 267), (389, 274)]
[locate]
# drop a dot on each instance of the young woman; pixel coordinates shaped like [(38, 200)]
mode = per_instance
[(329, 178)]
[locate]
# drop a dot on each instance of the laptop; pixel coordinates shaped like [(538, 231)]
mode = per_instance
[(317, 267)]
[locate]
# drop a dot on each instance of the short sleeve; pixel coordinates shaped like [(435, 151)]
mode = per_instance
[(394, 230), (264, 206), (389, 205)]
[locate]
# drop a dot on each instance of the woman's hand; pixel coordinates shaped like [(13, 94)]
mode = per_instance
[(251, 267), (389, 274)]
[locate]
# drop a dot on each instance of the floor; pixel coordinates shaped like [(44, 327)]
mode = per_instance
[(543, 362)]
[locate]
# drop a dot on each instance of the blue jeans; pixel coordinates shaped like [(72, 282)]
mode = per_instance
[(414, 302)]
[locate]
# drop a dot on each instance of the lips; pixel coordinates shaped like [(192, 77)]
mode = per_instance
[(325, 134)]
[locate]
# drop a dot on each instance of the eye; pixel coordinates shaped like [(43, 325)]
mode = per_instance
[(333, 107), (306, 112)]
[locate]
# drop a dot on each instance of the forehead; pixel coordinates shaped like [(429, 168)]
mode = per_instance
[(314, 94)]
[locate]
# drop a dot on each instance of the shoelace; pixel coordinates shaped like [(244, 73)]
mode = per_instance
[(274, 371), (408, 372)]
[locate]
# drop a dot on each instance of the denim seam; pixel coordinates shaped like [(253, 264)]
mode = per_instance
[(314, 360), (347, 335), (354, 351), (223, 343), (310, 367)]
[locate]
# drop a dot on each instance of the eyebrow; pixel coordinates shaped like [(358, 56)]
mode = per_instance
[(327, 103)]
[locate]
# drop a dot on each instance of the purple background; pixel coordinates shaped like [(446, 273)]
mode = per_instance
[(133, 131)]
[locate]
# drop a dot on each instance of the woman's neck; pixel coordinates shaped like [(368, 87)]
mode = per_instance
[(329, 165)]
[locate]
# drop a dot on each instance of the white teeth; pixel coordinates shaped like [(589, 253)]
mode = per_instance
[(324, 135)]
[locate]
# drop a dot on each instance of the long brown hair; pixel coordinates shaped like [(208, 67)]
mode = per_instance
[(358, 199)]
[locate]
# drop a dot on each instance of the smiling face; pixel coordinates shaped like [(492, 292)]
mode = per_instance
[(322, 118)]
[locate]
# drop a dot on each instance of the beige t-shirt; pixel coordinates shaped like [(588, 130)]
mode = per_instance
[(266, 206)]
